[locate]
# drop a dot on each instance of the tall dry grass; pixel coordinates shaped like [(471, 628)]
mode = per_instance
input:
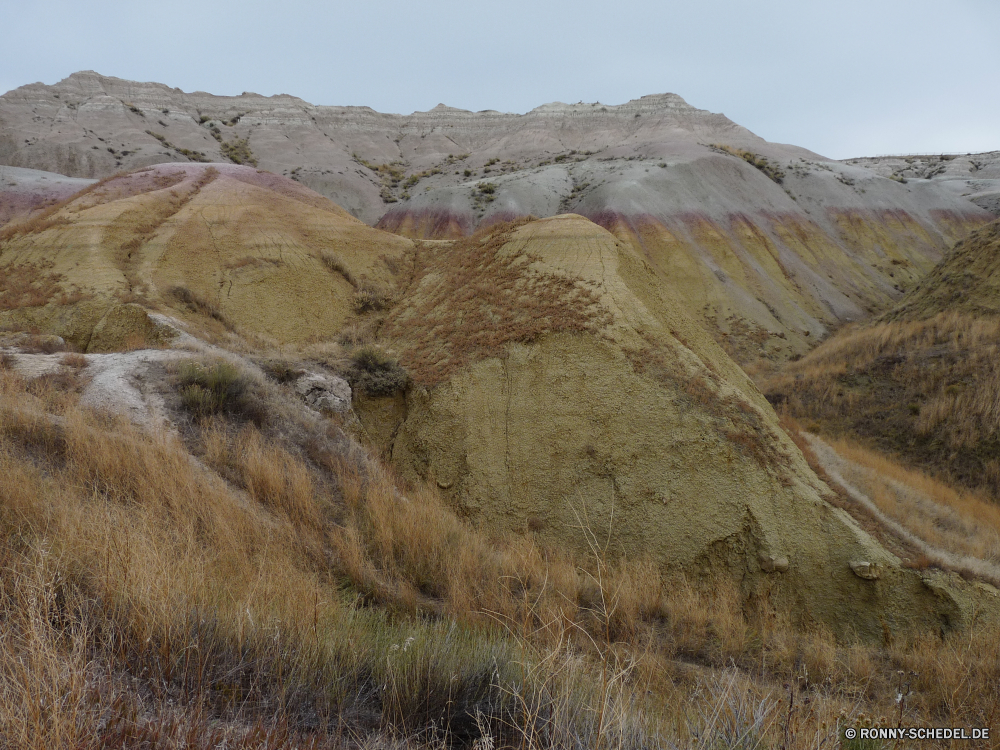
[(238, 589), (927, 390), (961, 522)]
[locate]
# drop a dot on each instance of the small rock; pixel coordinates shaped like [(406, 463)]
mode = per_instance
[(772, 564), (867, 570), (324, 392)]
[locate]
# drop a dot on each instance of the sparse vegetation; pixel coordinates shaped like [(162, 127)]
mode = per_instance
[(32, 285), (336, 264), (198, 304), (475, 300), (375, 373), (197, 156), (281, 370), (756, 160), (238, 151)]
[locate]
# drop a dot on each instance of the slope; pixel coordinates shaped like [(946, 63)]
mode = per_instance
[(229, 245), (921, 380), (559, 391), (25, 190)]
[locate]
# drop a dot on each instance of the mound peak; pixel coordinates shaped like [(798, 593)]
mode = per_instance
[(607, 406)]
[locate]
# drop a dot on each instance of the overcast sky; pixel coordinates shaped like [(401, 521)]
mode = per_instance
[(845, 78)]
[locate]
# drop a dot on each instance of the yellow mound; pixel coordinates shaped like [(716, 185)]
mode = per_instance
[(559, 391), (256, 252), (771, 284)]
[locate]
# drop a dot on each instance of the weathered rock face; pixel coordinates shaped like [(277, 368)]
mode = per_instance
[(226, 244), (975, 177), (324, 392), (771, 244), (628, 420)]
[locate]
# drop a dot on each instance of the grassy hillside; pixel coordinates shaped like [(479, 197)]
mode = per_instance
[(921, 381), (257, 582), (553, 512)]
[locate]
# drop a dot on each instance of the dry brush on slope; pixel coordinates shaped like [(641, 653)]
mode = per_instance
[(926, 390), (476, 299), (920, 382), (284, 593)]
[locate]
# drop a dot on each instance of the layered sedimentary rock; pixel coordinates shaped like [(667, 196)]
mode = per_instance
[(248, 250), (771, 244)]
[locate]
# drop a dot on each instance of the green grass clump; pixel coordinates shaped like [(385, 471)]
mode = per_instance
[(238, 151), (219, 388)]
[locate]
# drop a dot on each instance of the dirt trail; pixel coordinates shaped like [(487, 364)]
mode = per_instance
[(848, 474)]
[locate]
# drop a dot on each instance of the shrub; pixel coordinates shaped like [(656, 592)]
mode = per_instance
[(357, 334), (336, 264), (772, 171), (281, 370), (219, 388), (375, 373), (238, 151), (371, 297), (198, 304), (76, 361)]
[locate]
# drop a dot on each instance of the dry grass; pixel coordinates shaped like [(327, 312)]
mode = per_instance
[(920, 519), (336, 264), (964, 523), (926, 390), (198, 304), (471, 300), (34, 285), (264, 595)]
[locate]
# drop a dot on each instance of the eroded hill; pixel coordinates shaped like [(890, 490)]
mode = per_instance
[(919, 381), (771, 244), (239, 248)]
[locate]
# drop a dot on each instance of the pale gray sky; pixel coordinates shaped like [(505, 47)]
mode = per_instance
[(845, 78)]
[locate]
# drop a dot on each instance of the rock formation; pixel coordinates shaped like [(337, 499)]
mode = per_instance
[(771, 244), (238, 248)]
